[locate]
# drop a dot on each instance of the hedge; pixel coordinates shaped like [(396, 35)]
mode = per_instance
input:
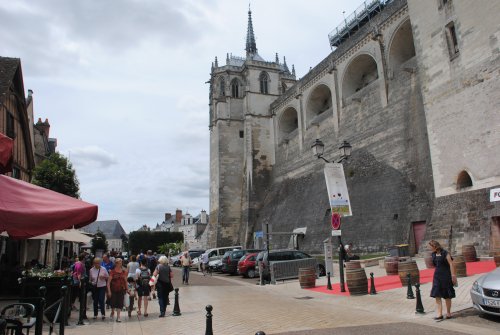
[(148, 240)]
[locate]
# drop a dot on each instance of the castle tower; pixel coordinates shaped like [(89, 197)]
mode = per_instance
[(241, 139)]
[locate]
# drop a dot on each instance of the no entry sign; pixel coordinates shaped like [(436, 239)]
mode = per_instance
[(335, 221)]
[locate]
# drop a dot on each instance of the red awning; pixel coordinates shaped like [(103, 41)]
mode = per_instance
[(6, 147), (27, 210)]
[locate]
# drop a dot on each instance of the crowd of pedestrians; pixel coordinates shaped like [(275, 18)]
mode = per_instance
[(116, 286)]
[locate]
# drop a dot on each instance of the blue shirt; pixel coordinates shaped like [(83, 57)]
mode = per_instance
[(108, 266)]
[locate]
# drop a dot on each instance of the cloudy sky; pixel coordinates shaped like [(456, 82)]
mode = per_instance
[(122, 83)]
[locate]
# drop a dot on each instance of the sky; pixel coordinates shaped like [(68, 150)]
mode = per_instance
[(123, 84)]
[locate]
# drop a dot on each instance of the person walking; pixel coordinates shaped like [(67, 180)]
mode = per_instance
[(152, 263), (132, 266), (164, 284), (445, 278), (132, 294), (204, 263), (117, 287), (78, 272), (186, 264), (98, 277), (108, 265), (142, 276)]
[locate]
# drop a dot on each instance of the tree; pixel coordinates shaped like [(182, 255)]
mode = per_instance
[(124, 238), (99, 242), (148, 240), (57, 174)]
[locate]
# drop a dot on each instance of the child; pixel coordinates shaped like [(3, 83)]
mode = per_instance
[(132, 294)]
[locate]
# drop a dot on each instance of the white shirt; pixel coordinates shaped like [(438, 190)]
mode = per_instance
[(103, 276)]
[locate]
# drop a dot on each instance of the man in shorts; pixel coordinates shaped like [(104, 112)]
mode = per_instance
[(204, 263)]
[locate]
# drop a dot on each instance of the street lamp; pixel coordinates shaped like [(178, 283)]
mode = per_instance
[(345, 151)]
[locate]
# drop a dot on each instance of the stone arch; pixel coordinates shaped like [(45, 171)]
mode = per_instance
[(360, 72), (464, 180), (401, 47), (318, 101), (288, 123)]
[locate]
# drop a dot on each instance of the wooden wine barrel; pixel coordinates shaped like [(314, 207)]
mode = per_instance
[(469, 253), (357, 283), (352, 265), (307, 277), (391, 265), (404, 259), (459, 262), (408, 267), (428, 260)]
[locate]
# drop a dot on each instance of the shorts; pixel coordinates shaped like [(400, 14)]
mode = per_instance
[(143, 291)]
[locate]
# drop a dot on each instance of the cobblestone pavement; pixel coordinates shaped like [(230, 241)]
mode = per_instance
[(241, 307)]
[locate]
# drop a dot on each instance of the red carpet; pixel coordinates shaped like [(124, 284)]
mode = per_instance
[(391, 282)]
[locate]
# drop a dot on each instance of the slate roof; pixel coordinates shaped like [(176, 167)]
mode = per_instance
[(112, 229), (8, 68)]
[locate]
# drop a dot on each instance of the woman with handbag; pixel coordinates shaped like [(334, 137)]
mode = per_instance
[(97, 280), (117, 287), (163, 284)]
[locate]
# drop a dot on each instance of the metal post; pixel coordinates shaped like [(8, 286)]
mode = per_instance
[(83, 305), (40, 311), (267, 239), (373, 291), (209, 330), (329, 285), (409, 293), (177, 309), (420, 307), (64, 313), (260, 332), (341, 265)]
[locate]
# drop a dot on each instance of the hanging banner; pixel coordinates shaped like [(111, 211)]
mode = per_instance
[(337, 189)]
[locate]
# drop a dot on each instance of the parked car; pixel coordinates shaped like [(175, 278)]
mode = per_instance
[(285, 255), (246, 265), (215, 265), (231, 258), (194, 253), (485, 293)]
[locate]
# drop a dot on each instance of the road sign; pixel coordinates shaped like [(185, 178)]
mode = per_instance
[(335, 221), (336, 232), (259, 233)]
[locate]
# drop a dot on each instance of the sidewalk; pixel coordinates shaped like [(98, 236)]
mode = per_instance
[(241, 307)]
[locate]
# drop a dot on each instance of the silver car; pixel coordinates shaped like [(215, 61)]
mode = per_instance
[(485, 293)]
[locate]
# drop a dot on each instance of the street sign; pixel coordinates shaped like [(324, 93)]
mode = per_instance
[(259, 233), (336, 232), (495, 194), (335, 221)]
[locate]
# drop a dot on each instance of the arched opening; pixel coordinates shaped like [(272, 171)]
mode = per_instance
[(464, 180), (319, 101), (264, 83), (360, 73), (288, 123), (283, 87), (235, 88), (402, 47), (222, 87)]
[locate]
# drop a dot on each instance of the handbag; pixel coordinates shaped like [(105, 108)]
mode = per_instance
[(93, 286), (170, 287)]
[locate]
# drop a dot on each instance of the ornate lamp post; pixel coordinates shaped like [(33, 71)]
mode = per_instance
[(345, 151)]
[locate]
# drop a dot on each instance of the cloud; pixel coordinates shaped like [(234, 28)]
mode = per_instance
[(92, 156)]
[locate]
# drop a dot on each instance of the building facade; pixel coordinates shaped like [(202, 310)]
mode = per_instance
[(412, 86)]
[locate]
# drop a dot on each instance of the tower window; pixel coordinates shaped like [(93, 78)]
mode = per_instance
[(222, 87), (10, 126), (235, 88), (464, 180), (242, 133), (451, 39), (264, 81)]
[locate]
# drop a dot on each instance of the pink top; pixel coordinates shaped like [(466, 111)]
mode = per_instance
[(78, 270)]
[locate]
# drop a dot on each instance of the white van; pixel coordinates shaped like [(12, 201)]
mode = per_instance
[(217, 253)]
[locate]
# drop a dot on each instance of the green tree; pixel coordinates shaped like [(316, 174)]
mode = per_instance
[(99, 242), (57, 174), (124, 238)]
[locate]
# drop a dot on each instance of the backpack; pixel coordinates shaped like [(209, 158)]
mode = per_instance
[(152, 263), (144, 278)]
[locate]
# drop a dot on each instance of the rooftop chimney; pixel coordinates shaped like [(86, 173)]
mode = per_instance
[(168, 216), (178, 216)]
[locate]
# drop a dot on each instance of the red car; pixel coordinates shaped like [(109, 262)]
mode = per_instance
[(246, 265)]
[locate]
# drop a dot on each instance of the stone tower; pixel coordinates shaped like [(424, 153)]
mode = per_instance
[(241, 138)]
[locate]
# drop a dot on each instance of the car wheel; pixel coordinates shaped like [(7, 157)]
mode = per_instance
[(321, 270), (251, 273)]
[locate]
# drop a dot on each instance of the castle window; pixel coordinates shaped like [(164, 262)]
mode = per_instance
[(464, 180), (451, 39), (10, 126), (264, 81), (283, 88), (222, 87), (242, 133), (16, 173), (235, 88)]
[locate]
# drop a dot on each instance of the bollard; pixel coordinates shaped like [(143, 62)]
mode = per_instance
[(329, 285), (209, 330), (83, 305), (420, 307), (85, 284), (177, 309), (260, 332), (409, 293), (40, 310), (373, 291), (64, 312)]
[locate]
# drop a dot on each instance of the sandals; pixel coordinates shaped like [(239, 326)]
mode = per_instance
[(118, 320), (146, 315), (438, 318)]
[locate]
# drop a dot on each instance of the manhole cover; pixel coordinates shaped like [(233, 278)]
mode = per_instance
[(304, 298)]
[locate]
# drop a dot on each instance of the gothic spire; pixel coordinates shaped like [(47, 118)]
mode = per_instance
[(251, 47)]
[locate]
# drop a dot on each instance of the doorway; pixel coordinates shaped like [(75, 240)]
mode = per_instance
[(495, 234), (418, 233)]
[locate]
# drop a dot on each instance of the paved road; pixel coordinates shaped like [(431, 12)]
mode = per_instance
[(471, 316)]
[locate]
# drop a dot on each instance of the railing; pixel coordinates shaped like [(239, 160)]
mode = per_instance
[(352, 21), (282, 270)]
